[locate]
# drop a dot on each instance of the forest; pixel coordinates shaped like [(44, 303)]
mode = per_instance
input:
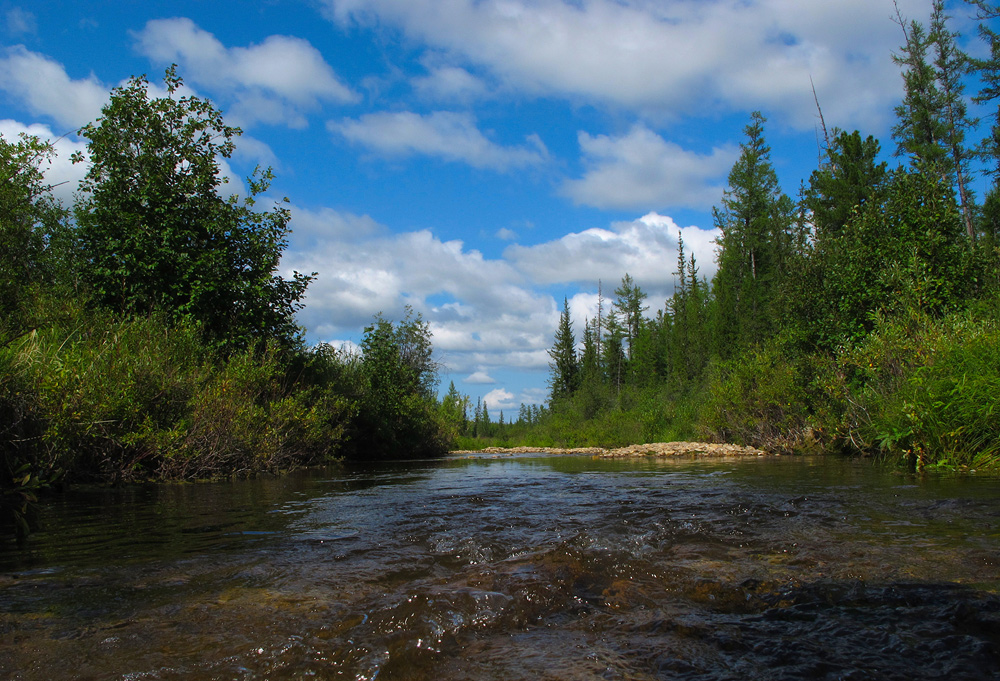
[(860, 317), (146, 333)]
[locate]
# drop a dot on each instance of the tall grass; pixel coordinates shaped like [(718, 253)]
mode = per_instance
[(118, 401)]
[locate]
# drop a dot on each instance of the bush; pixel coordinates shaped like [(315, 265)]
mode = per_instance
[(138, 399), (925, 390), (757, 399)]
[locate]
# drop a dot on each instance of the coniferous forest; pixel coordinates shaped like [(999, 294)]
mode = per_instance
[(861, 317), (145, 332)]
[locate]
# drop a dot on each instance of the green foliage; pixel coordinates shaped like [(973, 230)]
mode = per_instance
[(755, 220), (29, 217), (844, 182), (923, 390), (249, 417), (398, 417), (158, 235), (133, 400), (564, 367), (903, 249), (757, 399)]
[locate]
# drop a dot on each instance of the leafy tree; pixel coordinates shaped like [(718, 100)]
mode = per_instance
[(158, 234), (398, 416), (565, 371), (29, 217), (754, 220), (903, 251)]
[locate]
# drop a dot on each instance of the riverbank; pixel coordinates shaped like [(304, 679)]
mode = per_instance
[(706, 449)]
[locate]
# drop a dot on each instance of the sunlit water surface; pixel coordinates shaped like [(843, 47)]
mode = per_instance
[(516, 568)]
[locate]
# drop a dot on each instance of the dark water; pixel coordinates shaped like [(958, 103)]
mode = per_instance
[(516, 568)]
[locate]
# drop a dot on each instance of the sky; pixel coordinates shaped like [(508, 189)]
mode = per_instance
[(480, 161)]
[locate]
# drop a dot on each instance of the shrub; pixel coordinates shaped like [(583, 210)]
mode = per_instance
[(757, 399)]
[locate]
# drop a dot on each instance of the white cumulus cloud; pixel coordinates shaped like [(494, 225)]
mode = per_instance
[(676, 57), (641, 170), (275, 81), (44, 88), (645, 248), (444, 134), (497, 399)]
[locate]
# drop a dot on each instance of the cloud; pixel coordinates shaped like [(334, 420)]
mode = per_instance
[(447, 135), (44, 88), (62, 174), (497, 399), (675, 57), (641, 170), (450, 83), (479, 378), (20, 22), (328, 225), (645, 248), (476, 307), (275, 81)]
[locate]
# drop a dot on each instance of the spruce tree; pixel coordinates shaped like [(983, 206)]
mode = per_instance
[(565, 371), (755, 242), (952, 65), (630, 307), (613, 356), (920, 129), (845, 181)]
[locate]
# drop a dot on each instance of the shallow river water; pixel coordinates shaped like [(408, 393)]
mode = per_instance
[(522, 567)]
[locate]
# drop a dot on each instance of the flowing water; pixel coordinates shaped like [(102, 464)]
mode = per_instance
[(522, 567)]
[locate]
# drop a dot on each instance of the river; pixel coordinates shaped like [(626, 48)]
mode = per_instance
[(516, 567)]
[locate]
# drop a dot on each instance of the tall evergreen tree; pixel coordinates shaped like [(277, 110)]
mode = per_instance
[(988, 150), (920, 129), (613, 356), (565, 371), (630, 308), (754, 221), (952, 65)]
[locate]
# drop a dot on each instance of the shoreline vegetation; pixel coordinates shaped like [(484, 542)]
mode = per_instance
[(651, 449)]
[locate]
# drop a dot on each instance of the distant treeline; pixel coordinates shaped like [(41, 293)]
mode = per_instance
[(862, 317), (145, 332)]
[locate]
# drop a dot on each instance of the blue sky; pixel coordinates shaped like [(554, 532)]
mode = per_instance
[(479, 160)]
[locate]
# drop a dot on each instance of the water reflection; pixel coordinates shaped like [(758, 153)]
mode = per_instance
[(516, 567)]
